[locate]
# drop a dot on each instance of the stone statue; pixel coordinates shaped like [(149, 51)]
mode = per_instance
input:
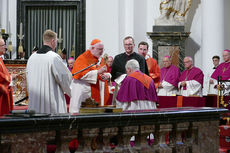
[(173, 12)]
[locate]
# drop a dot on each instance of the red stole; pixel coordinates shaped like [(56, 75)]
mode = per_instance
[(87, 59), (143, 78), (154, 71)]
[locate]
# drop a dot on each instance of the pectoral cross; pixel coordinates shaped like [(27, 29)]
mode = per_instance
[(224, 69)]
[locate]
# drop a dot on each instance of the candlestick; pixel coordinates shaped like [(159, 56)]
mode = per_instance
[(3, 31)]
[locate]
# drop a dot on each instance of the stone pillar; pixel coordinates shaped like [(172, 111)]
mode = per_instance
[(212, 35), (169, 40), (126, 21), (4, 17)]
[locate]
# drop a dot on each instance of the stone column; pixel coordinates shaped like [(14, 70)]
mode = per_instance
[(4, 10), (126, 21), (212, 34)]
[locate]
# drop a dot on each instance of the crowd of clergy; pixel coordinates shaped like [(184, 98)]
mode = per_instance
[(134, 78)]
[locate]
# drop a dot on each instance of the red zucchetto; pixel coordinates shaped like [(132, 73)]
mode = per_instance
[(95, 41)]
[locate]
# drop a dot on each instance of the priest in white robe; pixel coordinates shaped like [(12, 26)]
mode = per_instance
[(191, 79), (208, 87), (47, 78), (169, 78)]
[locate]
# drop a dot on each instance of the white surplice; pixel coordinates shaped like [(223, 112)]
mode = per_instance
[(225, 84), (136, 105), (167, 90), (81, 90), (47, 81), (193, 88), (209, 88), (64, 62)]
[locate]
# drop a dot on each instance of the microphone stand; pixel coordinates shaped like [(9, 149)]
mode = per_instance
[(85, 68), (21, 100)]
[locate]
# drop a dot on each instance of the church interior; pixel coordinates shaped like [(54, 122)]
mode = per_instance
[(174, 31)]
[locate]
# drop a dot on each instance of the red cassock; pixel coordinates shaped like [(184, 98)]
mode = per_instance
[(83, 61), (154, 71), (6, 92)]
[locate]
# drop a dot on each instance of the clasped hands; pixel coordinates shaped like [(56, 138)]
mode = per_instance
[(102, 74), (211, 81), (183, 84)]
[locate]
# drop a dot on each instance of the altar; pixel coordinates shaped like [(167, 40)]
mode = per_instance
[(179, 125), (174, 130)]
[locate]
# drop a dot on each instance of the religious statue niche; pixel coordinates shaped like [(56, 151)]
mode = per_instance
[(172, 51), (169, 40), (168, 36), (173, 12)]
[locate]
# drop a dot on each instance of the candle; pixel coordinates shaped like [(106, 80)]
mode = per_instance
[(9, 29), (20, 32), (59, 33)]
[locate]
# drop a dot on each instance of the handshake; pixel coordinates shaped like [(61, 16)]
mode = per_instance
[(102, 74)]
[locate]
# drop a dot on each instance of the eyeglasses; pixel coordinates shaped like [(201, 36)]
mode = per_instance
[(3, 45), (128, 44)]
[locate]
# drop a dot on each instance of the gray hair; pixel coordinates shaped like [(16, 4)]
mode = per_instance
[(190, 58), (133, 65)]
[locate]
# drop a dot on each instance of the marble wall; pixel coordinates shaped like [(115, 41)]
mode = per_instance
[(186, 137)]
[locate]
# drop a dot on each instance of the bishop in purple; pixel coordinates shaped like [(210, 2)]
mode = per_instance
[(137, 91), (169, 78), (191, 79), (222, 71)]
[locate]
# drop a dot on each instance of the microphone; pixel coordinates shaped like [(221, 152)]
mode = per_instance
[(85, 68), (22, 112)]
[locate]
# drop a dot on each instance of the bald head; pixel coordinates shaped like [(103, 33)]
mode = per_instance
[(226, 55), (2, 47), (188, 62)]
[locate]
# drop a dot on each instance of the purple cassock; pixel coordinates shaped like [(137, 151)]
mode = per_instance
[(192, 74), (171, 75), (132, 89), (222, 70)]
